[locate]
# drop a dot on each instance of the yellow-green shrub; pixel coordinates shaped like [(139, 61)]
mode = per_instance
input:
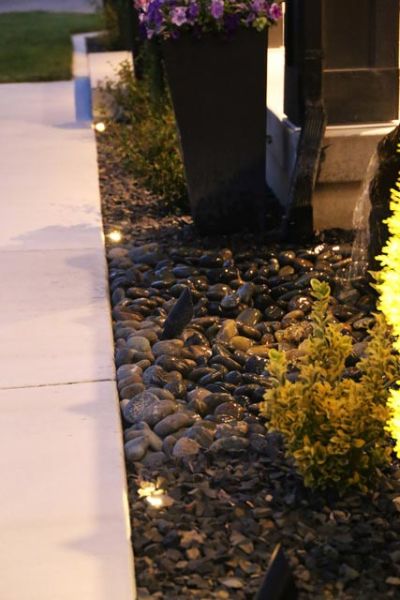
[(146, 135), (388, 286), (334, 427)]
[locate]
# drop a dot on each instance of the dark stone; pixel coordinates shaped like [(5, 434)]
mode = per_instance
[(220, 388), (149, 408), (214, 377), (183, 271), (232, 427), (230, 444), (218, 291), (286, 257), (177, 388), (246, 291), (131, 390), (155, 375), (210, 260), (173, 422), (142, 429), (214, 400), (256, 364), (201, 434), (200, 372), (251, 390), (249, 317), (230, 302), (343, 313), (194, 338), (233, 377), (274, 313), (185, 447), (173, 363), (123, 356), (303, 303), (249, 332), (230, 409), (136, 448), (154, 460), (168, 347), (226, 361), (179, 317)]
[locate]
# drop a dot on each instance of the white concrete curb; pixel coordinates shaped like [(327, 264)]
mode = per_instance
[(63, 504), (84, 112)]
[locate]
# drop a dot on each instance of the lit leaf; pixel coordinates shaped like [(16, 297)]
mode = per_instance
[(358, 443)]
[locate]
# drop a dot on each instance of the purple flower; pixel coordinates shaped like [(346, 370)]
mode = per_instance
[(192, 12), (178, 16), (217, 8), (260, 7), (155, 19), (275, 11), (167, 17)]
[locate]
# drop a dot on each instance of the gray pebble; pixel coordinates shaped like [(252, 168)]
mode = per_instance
[(136, 448), (139, 343), (129, 391), (149, 408), (185, 447), (153, 460), (229, 444), (168, 347), (173, 422)]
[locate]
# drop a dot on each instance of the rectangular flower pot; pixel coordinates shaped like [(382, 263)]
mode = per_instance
[(218, 89)]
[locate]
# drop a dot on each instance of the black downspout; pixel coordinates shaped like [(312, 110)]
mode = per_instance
[(304, 106)]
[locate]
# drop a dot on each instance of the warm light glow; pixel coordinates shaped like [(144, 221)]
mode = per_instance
[(100, 127), (155, 501), (388, 287), (153, 494), (148, 488), (115, 236)]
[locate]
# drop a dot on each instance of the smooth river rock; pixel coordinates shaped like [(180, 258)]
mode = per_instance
[(185, 447), (149, 408), (173, 422)]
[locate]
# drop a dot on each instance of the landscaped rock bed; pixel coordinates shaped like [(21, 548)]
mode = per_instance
[(190, 409)]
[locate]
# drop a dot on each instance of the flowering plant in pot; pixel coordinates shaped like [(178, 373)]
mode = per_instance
[(171, 18), (215, 54)]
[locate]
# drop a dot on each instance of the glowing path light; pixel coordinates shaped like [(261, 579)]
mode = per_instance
[(154, 495), (100, 127), (115, 236)]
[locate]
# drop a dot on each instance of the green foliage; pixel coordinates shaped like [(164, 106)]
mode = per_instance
[(36, 46), (148, 139), (334, 427), (117, 25), (113, 38)]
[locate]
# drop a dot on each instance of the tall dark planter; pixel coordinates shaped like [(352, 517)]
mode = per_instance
[(218, 89)]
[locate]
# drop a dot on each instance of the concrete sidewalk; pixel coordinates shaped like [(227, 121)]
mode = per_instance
[(82, 6), (63, 508)]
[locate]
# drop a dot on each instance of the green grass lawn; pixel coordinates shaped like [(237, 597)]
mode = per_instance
[(36, 46)]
